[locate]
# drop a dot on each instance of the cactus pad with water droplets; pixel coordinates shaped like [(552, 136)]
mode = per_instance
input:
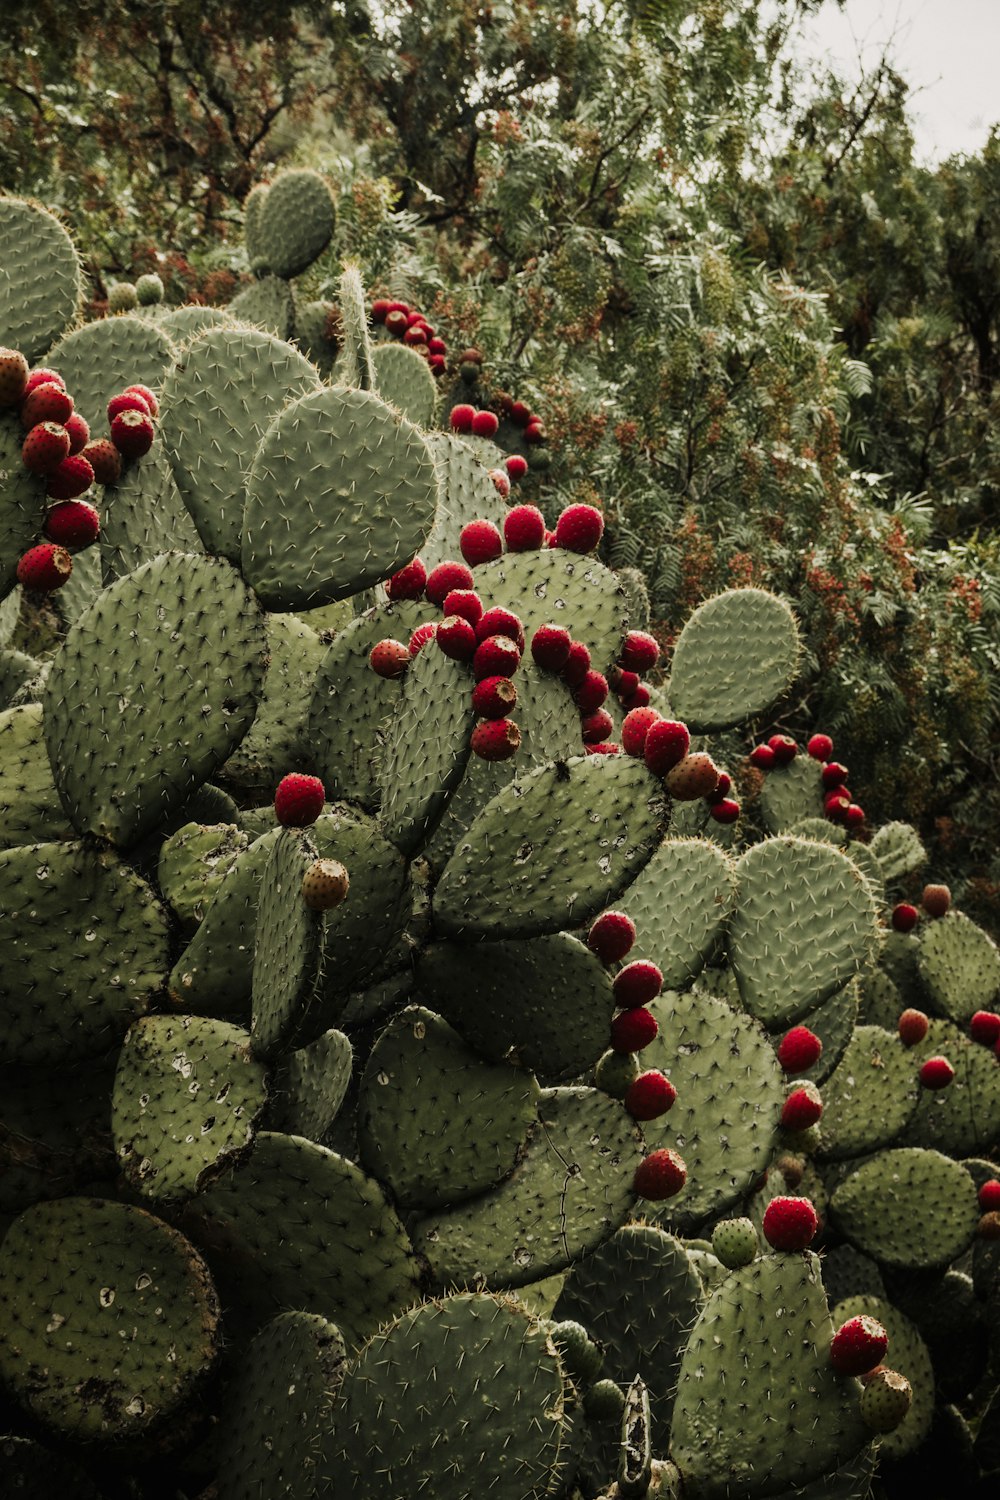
[(737, 654)]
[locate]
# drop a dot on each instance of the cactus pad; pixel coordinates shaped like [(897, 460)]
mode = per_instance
[(143, 515), (100, 359), (308, 1086), (869, 1096), (295, 222), (907, 1353), (427, 747), (959, 965), (288, 947), (267, 306), (556, 587), (30, 809), (403, 379), (910, 1208), (792, 793), (22, 496), (737, 654), (680, 904), (40, 282), (466, 493)]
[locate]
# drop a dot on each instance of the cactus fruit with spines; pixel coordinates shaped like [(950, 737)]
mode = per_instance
[(349, 1132)]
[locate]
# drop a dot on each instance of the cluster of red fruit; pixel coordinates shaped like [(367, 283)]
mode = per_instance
[(936, 902), (937, 1072), (58, 448), (464, 418), (989, 1202), (664, 744), (838, 804), (411, 327)]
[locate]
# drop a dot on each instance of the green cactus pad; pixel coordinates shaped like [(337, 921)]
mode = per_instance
[(85, 948), (268, 306), (217, 403), (833, 1022), (792, 793), (30, 810), (186, 1099), (352, 708), (341, 493), (403, 379), (898, 849), (550, 1000), (963, 1118), (466, 493), (573, 835), (308, 1086), (910, 1208), (40, 282), (907, 1354), (294, 224), (805, 924), (476, 1393), (437, 1124), (110, 1320), (22, 495), (288, 947), (737, 654), (427, 747), (571, 1189), (556, 587), (680, 904), (758, 1407), (253, 207), (21, 679), (100, 359), (314, 323), (356, 365), (881, 1002), (830, 833), (959, 966), (614, 1292), (182, 323), (192, 865), (869, 1096), (848, 1273), (730, 1095), (142, 516), (298, 1226), (278, 1410), (84, 585), (170, 656), (277, 740)]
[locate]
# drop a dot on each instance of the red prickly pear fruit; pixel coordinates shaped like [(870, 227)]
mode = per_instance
[(597, 727), (380, 307), (577, 664), (132, 433), (638, 699), (591, 692), (480, 542), (298, 800), (72, 524), (389, 658), (437, 346), (904, 917), (147, 395), (989, 1196), (128, 401), (457, 638), (325, 884), (408, 582), (625, 685), (853, 815), (631, 1030), (936, 900), (395, 322), (485, 424), (415, 334), (42, 376), (48, 402), (495, 739), (496, 656), (637, 984), (659, 1175), (802, 1108), (693, 777), (858, 1346), (472, 356), (550, 539), (414, 318), (534, 432), (984, 1028), (639, 653), (611, 936), (820, 747), (790, 1223), (461, 417), (519, 414), (635, 726), (105, 460), (45, 447), (723, 787), (833, 774), (501, 482), (649, 1096), (445, 577), (438, 364), (70, 479), (464, 602), (494, 698), (836, 804), (799, 1049), (784, 747), (763, 757), (499, 621), (936, 1073), (667, 744), (400, 307), (550, 647), (579, 528), (420, 637), (79, 432), (604, 748), (13, 377), (516, 466), (44, 568), (524, 528), (726, 811), (912, 1026)]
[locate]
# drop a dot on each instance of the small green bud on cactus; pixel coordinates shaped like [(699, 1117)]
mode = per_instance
[(735, 1242)]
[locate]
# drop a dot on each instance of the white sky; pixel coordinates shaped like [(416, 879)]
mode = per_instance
[(947, 50)]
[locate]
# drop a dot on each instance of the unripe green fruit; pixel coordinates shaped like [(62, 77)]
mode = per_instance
[(149, 289), (122, 297), (580, 1354), (604, 1402), (469, 372), (540, 459), (615, 1071), (735, 1242), (885, 1400)]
